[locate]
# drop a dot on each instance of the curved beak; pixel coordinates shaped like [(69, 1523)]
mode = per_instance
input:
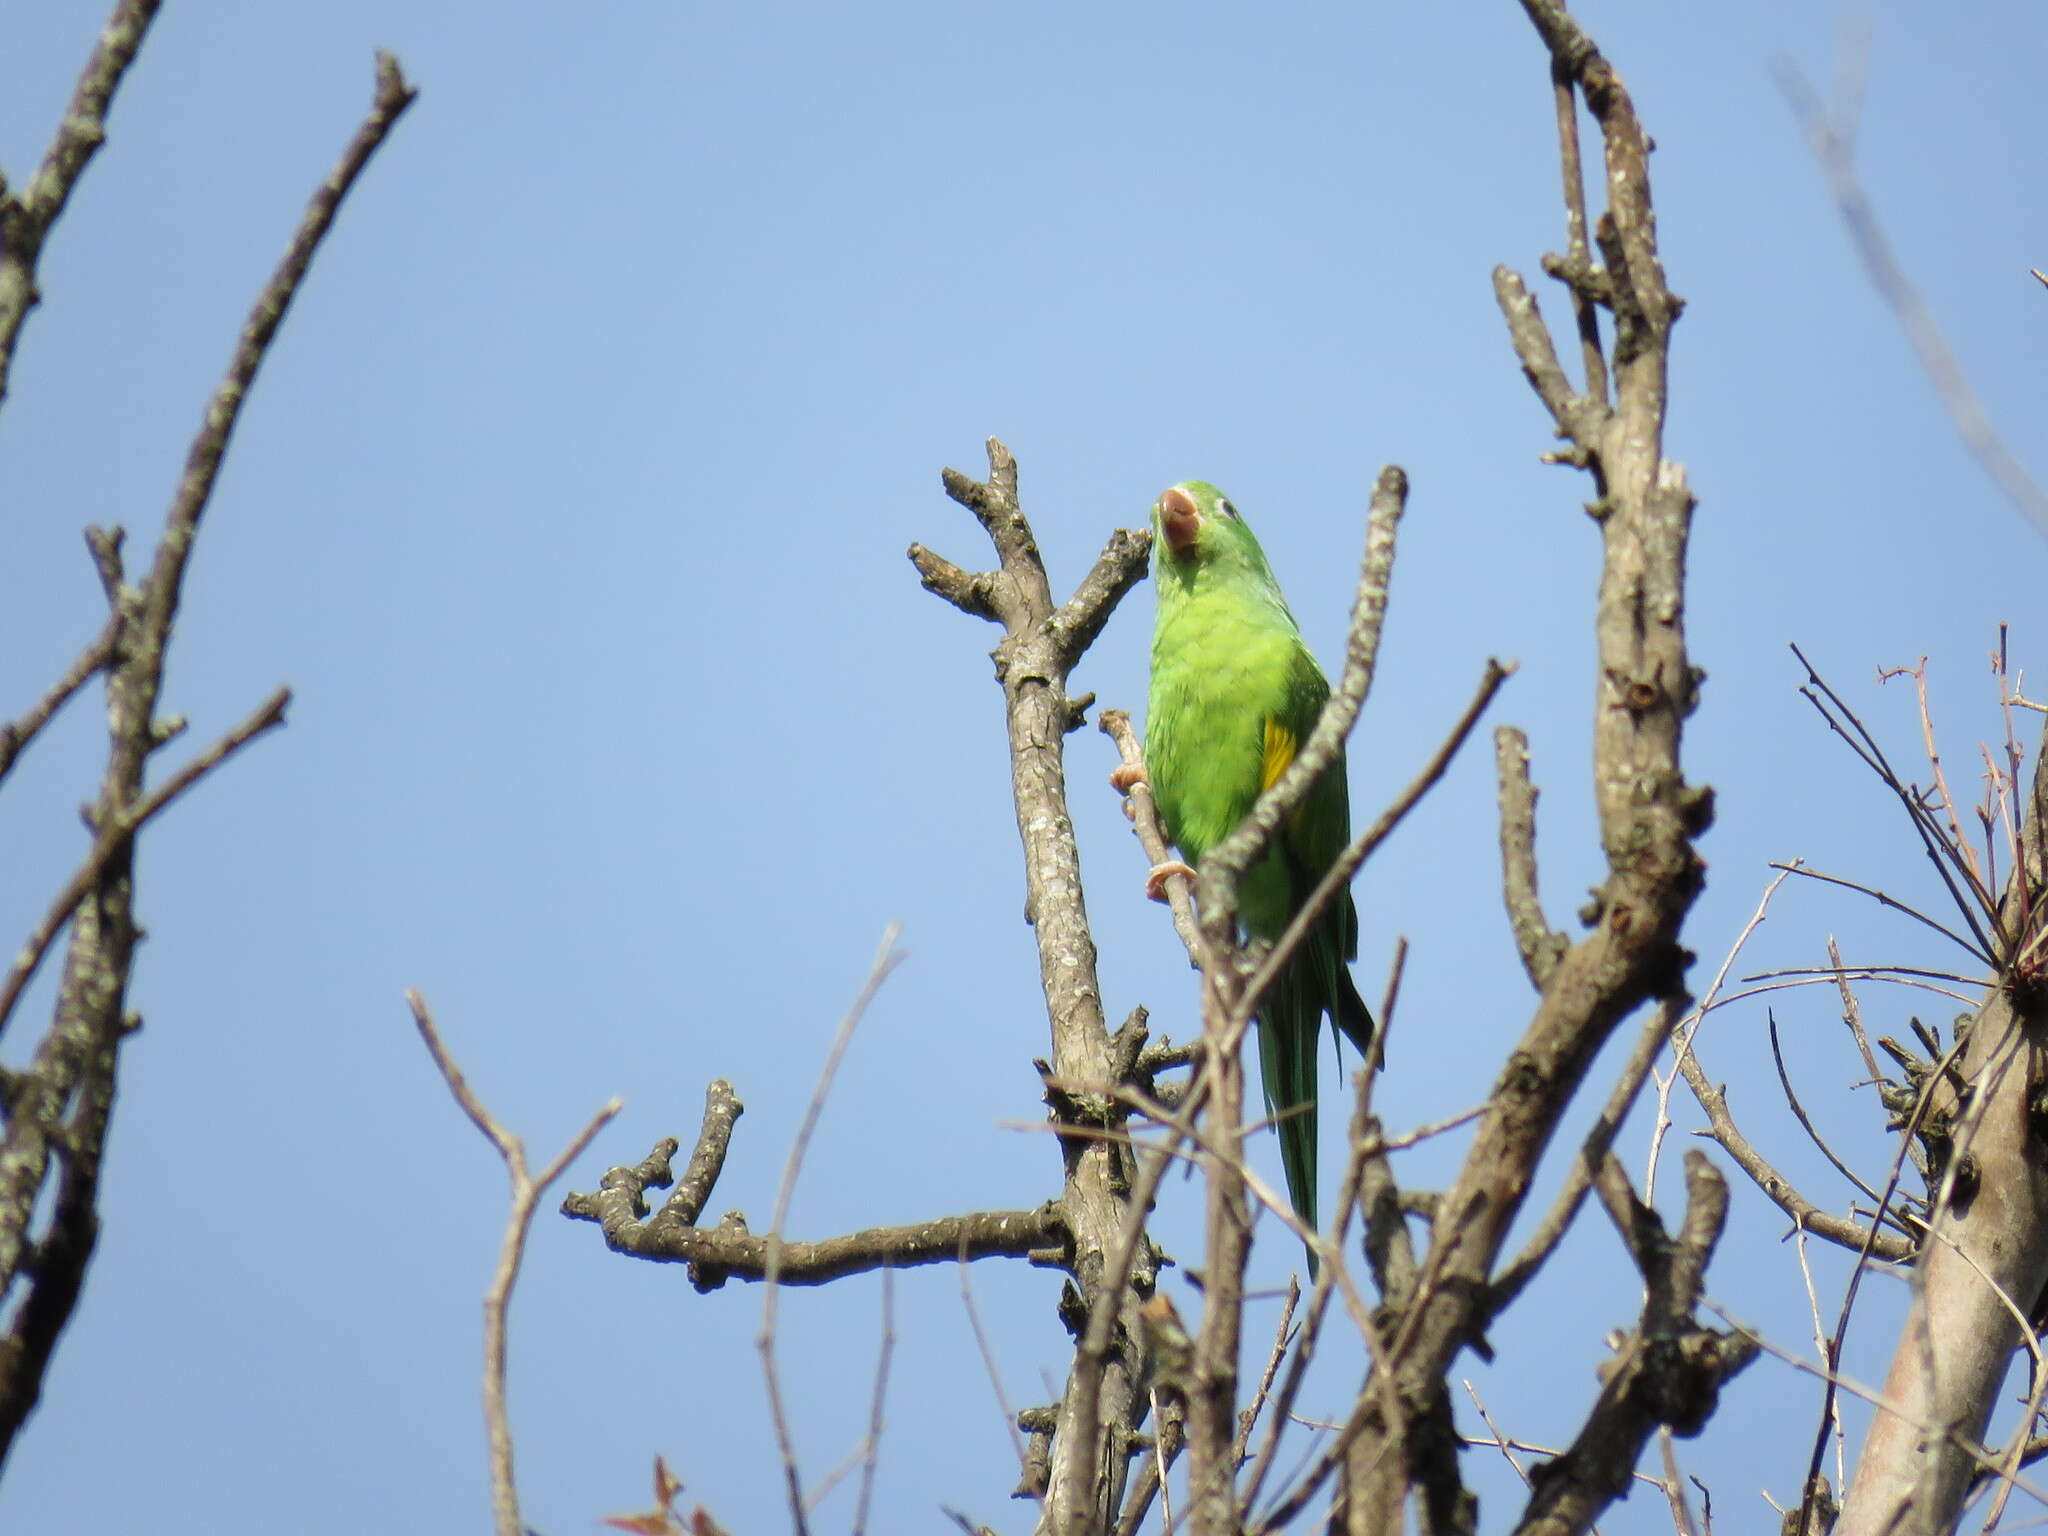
[(1179, 519)]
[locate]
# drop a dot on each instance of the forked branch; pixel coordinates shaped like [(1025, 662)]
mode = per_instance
[(527, 1188), (1648, 815), (56, 1108)]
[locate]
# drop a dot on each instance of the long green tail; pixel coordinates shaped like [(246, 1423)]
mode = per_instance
[(1290, 1023)]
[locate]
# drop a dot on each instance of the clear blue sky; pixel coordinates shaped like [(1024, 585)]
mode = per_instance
[(572, 503)]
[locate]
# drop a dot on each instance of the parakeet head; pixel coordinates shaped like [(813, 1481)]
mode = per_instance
[(1198, 538)]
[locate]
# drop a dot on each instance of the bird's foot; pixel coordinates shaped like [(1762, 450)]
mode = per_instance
[(1124, 775), (1155, 881)]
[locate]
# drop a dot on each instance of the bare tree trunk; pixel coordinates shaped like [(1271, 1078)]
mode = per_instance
[(1985, 1261)]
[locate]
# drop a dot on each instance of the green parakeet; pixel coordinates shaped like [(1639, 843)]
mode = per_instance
[(1234, 694)]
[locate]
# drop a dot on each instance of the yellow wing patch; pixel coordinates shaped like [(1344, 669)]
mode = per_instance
[(1279, 753)]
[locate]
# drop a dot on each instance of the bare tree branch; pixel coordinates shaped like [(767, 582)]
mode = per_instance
[(1832, 139), (1971, 900), (722, 1109), (1102, 1408), (1091, 1230), (1362, 846), (1805, 1122), (729, 1251), (26, 216), (115, 840), (621, 1199), (1818, 1516), (886, 960), (1647, 813), (60, 1103), (1152, 1479), (1541, 945), (527, 1189), (1588, 284), (1564, 1209), (1144, 814), (15, 735), (166, 579), (1668, 1371), (1213, 1367), (1841, 1230)]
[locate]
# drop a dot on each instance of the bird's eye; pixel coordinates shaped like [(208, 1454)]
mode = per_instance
[(1223, 505)]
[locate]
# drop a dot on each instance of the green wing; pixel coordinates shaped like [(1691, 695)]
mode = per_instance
[(1316, 980)]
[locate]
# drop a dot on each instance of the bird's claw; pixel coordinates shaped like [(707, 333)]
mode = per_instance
[(1155, 880), (1124, 775)]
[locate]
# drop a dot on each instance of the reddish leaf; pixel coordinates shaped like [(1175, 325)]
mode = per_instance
[(666, 1484)]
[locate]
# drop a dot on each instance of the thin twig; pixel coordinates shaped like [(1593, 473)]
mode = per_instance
[(1840, 1230), (1682, 1038), (1835, 1380), (1799, 1110), (114, 837), (1361, 847), (1948, 864), (1951, 818), (1499, 1440), (1831, 137), (1368, 1185), (527, 1190), (1155, 1479), (1159, 1464), (1250, 1415), (1681, 1511), (1640, 1067), (1531, 1448), (886, 960), (25, 219), (1564, 1207), (1852, 1011), (1805, 1214), (1226, 1150), (1824, 977), (1362, 1129), (988, 1363), (1833, 1356), (872, 1459), (1578, 273), (16, 735), (1820, 1344), (1836, 973), (209, 447), (1882, 899)]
